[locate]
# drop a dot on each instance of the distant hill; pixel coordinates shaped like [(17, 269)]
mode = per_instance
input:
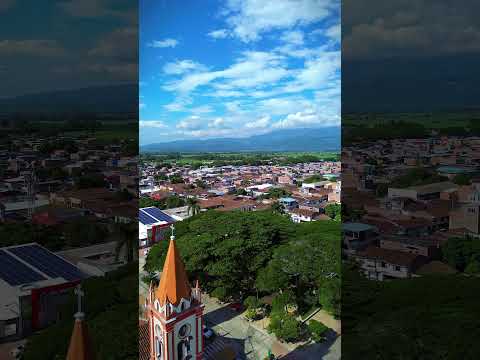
[(98, 99), (319, 139)]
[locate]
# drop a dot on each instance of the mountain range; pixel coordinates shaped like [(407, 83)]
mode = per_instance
[(99, 99), (316, 139)]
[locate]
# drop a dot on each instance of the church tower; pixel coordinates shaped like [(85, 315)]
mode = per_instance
[(80, 347), (175, 313)]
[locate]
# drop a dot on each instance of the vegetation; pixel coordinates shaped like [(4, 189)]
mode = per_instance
[(334, 211), (462, 253), (313, 179), (237, 255), (224, 159), (317, 330), (193, 206), (417, 176), (167, 203), (109, 300), (276, 193), (402, 319)]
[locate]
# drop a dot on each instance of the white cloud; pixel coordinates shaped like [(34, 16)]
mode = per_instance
[(218, 123), (293, 37), (120, 44), (261, 123), (219, 34), (166, 43), (254, 68), (181, 67), (40, 48), (6, 4), (204, 109), (309, 118), (191, 123), (282, 106), (250, 18), (179, 104), (152, 124), (142, 105), (316, 73), (334, 32)]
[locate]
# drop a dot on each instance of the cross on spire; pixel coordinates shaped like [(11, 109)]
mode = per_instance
[(79, 292), (172, 227)]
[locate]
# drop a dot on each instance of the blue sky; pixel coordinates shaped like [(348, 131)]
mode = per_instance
[(236, 68), (67, 44)]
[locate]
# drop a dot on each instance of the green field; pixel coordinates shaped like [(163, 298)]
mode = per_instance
[(254, 158)]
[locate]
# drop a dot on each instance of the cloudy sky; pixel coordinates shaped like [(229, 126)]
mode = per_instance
[(67, 44), (238, 67)]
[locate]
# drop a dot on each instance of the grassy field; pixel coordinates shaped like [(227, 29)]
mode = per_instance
[(239, 158)]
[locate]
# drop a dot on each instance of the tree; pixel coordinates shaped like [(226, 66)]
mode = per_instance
[(332, 210), (173, 202), (462, 179), (277, 208), (193, 206), (251, 302), (176, 179), (313, 179), (241, 191), (285, 326), (329, 295)]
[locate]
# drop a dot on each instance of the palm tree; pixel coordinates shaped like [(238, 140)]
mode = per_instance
[(278, 208), (126, 236), (193, 206)]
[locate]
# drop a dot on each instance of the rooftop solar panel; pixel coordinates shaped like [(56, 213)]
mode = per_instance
[(14, 272), (158, 214), (47, 262), (145, 219)]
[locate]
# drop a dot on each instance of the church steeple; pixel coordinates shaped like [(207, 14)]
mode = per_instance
[(174, 283), (80, 345), (175, 312)]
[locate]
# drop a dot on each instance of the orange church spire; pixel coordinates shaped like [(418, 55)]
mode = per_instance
[(174, 283), (80, 346)]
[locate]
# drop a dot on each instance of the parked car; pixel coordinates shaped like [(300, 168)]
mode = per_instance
[(236, 306), (208, 333)]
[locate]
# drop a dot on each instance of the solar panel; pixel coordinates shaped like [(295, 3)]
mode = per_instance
[(47, 262), (14, 272), (145, 219), (158, 214)]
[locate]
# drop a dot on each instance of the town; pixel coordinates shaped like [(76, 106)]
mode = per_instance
[(246, 319), (410, 197), (68, 215)]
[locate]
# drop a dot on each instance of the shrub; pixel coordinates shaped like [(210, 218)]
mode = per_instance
[(285, 327), (317, 330), (220, 293)]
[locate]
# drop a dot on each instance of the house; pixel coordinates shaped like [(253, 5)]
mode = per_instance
[(152, 226), (422, 192), (382, 264), (288, 203), (303, 215), (357, 236)]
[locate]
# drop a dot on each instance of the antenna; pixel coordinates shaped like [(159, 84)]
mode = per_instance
[(30, 182)]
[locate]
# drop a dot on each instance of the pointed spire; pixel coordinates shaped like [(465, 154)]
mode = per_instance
[(80, 347), (174, 281)]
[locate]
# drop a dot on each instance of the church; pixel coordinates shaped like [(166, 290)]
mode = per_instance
[(175, 313)]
